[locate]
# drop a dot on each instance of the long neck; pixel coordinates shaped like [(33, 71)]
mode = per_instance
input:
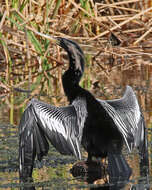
[(76, 59), (72, 76)]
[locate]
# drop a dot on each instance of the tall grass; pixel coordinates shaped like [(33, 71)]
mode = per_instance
[(31, 66)]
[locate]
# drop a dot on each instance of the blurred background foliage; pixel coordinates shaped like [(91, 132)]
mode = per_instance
[(115, 35)]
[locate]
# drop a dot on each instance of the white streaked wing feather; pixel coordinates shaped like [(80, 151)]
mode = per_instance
[(61, 124), (118, 122), (126, 114)]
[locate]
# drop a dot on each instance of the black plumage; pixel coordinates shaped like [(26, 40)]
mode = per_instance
[(102, 127)]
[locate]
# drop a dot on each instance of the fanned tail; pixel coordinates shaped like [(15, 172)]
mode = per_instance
[(32, 142), (119, 171)]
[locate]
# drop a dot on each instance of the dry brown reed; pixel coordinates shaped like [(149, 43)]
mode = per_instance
[(115, 36)]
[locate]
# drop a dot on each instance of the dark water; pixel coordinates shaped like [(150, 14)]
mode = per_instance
[(53, 172)]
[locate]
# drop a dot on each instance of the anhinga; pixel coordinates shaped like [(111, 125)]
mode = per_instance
[(100, 126)]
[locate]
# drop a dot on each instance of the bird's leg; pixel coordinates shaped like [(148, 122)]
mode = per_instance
[(89, 159), (104, 163)]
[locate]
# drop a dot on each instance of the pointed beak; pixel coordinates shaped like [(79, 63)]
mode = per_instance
[(54, 40)]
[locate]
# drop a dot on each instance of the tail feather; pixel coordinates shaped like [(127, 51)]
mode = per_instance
[(118, 166), (119, 171)]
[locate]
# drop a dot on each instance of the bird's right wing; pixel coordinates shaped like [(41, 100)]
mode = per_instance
[(128, 118), (41, 122)]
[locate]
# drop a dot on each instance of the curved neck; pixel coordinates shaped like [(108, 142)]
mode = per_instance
[(72, 76), (76, 60), (70, 81)]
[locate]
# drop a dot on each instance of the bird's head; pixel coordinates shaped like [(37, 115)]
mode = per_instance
[(76, 56)]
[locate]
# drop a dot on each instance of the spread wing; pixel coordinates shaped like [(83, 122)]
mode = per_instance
[(127, 117), (41, 122)]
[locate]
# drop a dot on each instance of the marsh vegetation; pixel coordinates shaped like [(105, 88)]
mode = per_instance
[(116, 37)]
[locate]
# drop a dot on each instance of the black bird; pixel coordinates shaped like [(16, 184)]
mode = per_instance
[(101, 127)]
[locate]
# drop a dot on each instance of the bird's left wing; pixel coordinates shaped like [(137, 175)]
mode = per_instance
[(41, 122), (127, 117)]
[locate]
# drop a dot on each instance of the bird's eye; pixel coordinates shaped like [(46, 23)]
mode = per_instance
[(77, 72)]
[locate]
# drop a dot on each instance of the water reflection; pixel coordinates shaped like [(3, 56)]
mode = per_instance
[(54, 169), (90, 172)]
